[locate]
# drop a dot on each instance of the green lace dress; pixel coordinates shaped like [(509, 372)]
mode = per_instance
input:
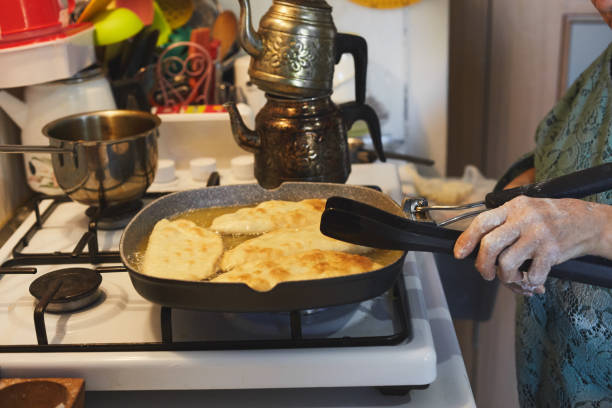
[(564, 337)]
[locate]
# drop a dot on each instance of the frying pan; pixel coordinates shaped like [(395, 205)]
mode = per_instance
[(238, 297), (359, 223)]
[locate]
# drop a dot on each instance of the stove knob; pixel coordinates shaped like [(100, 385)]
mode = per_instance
[(165, 171), (202, 167), (242, 167)]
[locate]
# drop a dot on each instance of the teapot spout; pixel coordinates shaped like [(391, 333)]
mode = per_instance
[(249, 39), (16, 109), (246, 138)]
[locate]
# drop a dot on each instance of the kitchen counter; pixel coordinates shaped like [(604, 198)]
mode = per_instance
[(450, 389)]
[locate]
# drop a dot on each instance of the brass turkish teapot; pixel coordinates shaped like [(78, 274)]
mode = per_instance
[(294, 52), (302, 139)]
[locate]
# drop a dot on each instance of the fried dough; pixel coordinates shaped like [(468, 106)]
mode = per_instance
[(270, 216), (181, 250), (264, 275), (285, 242)]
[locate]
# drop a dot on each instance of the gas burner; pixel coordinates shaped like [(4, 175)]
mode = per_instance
[(78, 288), (315, 322), (116, 216)]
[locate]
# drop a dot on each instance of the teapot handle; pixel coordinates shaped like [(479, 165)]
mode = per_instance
[(358, 48), (354, 111)]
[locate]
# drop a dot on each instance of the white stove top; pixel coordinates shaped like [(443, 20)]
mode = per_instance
[(121, 315)]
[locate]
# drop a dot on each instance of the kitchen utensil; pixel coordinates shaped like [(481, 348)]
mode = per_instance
[(176, 12), (101, 158), (362, 224), (20, 20), (574, 185), (296, 47), (139, 53), (225, 30), (115, 25), (131, 71), (93, 7), (160, 24), (142, 8), (238, 297), (302, 139), (173, 74), (86, 91), (202, 37)]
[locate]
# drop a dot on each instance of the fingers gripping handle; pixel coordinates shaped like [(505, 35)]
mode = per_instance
[(575, 185)]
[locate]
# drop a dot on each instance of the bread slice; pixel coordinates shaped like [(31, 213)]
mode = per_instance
[(283, 242), (181, 250), (270, 216), (316, 264)]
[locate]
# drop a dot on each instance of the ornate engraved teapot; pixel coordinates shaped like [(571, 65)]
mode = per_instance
[(296, 48), (302, 139)]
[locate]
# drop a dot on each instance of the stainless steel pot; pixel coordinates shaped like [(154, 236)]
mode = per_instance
[(101, 158)]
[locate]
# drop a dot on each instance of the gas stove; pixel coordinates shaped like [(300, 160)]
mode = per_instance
[(108, 334)]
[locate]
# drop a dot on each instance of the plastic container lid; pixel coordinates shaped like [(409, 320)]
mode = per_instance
[(63, 57)]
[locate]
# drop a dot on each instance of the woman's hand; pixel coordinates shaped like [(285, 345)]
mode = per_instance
[(545, 230)]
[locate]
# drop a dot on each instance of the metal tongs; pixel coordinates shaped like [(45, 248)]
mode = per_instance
[(352, 221)]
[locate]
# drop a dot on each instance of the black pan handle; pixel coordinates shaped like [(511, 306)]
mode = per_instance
[(358, 48), (575, 185), (353, 111), (361, 224)]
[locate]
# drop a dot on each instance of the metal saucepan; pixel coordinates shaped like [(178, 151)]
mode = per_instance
[(238, 297), (101, 158)]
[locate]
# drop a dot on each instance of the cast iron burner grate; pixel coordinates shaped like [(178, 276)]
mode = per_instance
[(116, 216), (400, 317), (78, 256)]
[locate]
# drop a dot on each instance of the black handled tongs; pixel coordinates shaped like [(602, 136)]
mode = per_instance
[(575, 185), (352, 221)]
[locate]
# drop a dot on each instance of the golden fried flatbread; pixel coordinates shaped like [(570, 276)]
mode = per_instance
[(181, 250), (270, 216), (264, 275), (283, 242)]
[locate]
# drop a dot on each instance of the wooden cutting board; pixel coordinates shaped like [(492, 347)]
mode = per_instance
[(42, 392)]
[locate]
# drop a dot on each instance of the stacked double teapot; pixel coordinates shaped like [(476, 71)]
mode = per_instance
[(300, 134)]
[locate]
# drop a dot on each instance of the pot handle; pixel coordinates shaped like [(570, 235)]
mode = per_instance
[(358, 48), (33, 149), (354, 111)]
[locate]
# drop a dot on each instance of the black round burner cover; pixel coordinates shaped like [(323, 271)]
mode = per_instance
[(77, 283)]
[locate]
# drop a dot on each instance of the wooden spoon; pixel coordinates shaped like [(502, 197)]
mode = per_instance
[(225, 29)]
